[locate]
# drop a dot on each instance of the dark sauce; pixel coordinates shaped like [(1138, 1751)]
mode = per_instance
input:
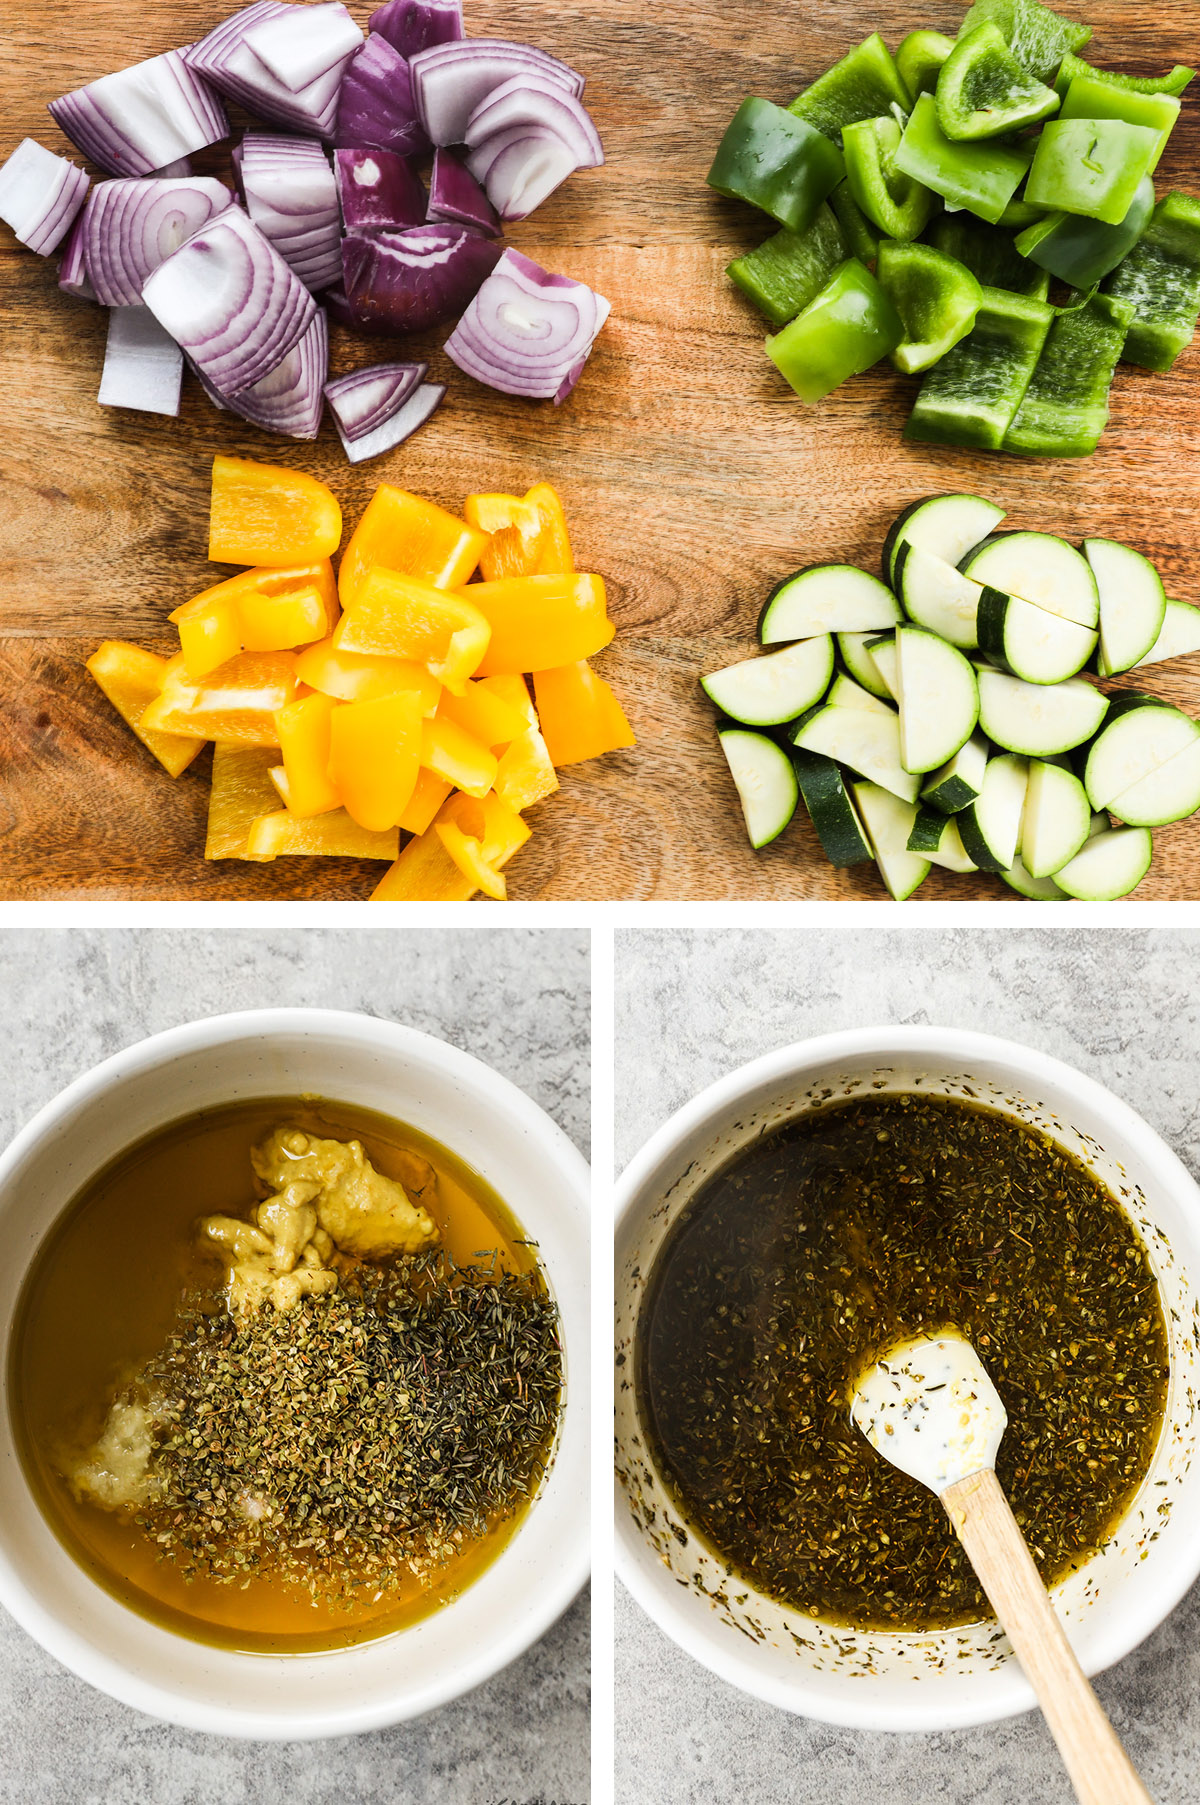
[(837, 1235)]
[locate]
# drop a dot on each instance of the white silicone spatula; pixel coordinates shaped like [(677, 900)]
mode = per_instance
[(930, 1408)]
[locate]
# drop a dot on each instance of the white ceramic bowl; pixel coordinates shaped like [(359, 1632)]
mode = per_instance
[(956, 1677), (489, 1123)]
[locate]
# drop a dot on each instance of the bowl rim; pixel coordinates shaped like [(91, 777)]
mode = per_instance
[(1013, 1694), (564, 1580)]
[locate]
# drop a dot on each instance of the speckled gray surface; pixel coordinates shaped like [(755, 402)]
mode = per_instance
[(1123, 1006), (516, 999)]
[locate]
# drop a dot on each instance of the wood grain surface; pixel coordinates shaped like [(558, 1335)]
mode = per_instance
[(692, 479)]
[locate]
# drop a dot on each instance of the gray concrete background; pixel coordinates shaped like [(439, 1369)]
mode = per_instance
[(516, 999), (1123, 1006)]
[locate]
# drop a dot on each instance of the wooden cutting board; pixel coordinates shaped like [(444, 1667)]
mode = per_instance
[(693, 481)]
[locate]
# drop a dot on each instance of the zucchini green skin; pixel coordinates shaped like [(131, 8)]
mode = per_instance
[(1064, 410), (928, 828), (783, 275), (1160, 279), (983, 91), (831, 809), (950, 796), (972, 396), (897, 535)]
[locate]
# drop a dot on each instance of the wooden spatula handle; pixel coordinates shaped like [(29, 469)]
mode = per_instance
[(1101, 1772)]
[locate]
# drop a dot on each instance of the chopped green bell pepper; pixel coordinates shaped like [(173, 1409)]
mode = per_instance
[(990, 255), (1160, 279), (936, 297), (849, 327), (895, 203), (972, 395), (782, 276), (983, 91), (857, 229), (1083, 251), (981, 177), (864, 84), (776, 162), (1090, 166), (1037, 37), (1173, 82), (919, 58), (1019, 213), (1065, 408), (1087, 98)]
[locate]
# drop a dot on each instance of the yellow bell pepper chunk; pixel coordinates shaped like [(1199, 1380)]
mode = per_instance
[(360, 676), (425, 872), (408, 534), (396, 616), (483, 714), (453, 755), (467, 854), (525, 774), (333, 836), (241, 791), (261, 610), (210, 634), (580, 716), (515, 691), (425, 801), (268, 514), (556, 558), (131, 679), (539, 623), (517, 534), (304, 739), (374, 757), (238, 701)]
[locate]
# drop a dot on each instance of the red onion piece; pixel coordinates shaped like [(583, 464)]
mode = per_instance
[(143, 366), (226, 60), (130, 227), (368, 398), (412, 414), (524, 139), (231, 302), (411, 26), (304, 43), (40, 195), (528, 332), (376, 107), (455, 196), (289, 399), (405, 281), (450, 80), (378, 191), (175, 171), (72, 271), (141, 118), (292, 198)]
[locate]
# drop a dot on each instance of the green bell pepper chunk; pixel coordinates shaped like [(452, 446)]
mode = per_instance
[(776, 162), (1019, 213), (981, 177), (782, 276), (1083, 251), (1065, 408), (1173, 82), (919, 58), (864, 84), (1160, 279), (983, 91), (936, 297), (971, 397), (1037, 37), (990, 255), (1087, 98), (895, 203), (849, 327), (857, 229), (1090, 166)]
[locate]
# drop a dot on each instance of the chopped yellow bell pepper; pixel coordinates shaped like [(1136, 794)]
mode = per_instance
[(580, 716), (413, 536), (238, 701), (402, 617), (374, 757), (263, 610), (131, 679), (425, 801), (467, 853), (449, 751), (267, 514), (483, 714), (425, 872), (539, 623), (517, 534), (304, 739), (333, 836), (525, 774), (556, 558), (515, 691), (241, 791), (361, 676)]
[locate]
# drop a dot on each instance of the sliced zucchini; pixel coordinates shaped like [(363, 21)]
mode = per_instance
[(936, 838), (1133, 603), (1044, 889), (826, 598), (844, 692), (960, 780), (938, 698), (1057, 819), (767, 692), (882, 648), (1178, 635), (765, 780), (935, 594), (889, 822), (831, 809), (1110, 866), (991, 826), (946, 525), (858, 661), (1038, 718), (1169, 793), (866, 741), (1039, 568), (1140, 734), (1030, 642)]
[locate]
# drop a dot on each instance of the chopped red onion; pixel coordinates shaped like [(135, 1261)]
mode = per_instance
[(455, 196), (229, 299), (404, 422), (378, 191), (450, 80), (528, 332), (174, 171), (72, 271), (226, 59), (337, 306), (413, 25), (376, 107), (367, 398), (143, 366), (300, 45), (40, 195), (141, 118), (130, 227), (525, 138), (289, 399), (292, 198), (405, 281)]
